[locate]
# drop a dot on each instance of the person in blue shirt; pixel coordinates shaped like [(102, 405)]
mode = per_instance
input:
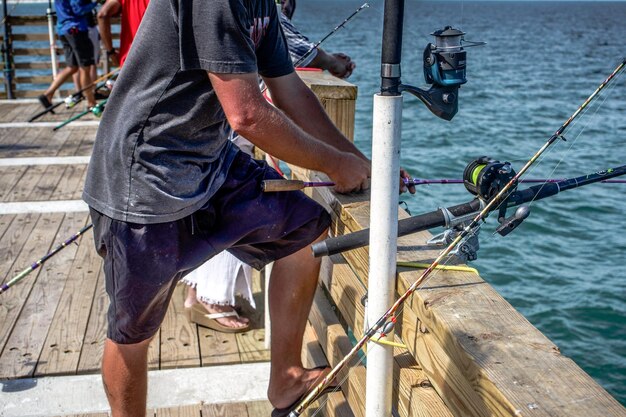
[(73, 30)]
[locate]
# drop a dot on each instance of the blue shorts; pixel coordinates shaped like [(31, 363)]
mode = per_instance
[(143, 262), (79, 50)]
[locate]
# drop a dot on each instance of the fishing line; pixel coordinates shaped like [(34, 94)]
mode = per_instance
[(585, 119)]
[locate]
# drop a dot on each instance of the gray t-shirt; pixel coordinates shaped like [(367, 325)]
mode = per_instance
[(161, 149)]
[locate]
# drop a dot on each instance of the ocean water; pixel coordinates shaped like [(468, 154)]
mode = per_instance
[(563, 268)]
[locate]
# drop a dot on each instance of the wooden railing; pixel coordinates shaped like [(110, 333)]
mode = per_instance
[(468, 351), (31, 63)]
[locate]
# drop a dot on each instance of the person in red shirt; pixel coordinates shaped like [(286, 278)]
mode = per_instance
[(131, 12)]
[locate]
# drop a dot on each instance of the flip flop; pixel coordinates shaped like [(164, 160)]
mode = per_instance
[(198, 314), (45, 102), (284, 412)]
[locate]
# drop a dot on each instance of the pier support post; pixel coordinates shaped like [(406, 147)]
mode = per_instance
[(383, 245)]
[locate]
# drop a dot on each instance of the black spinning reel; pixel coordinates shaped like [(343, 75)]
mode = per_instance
[(485, 178), (444, 69)]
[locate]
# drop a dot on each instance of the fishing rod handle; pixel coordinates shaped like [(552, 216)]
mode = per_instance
[(291, 185), (413, 224), (269, 186)]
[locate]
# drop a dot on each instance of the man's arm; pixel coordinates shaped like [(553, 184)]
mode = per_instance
[(338, 64), (267, 127), (111, 8), (293, 97)]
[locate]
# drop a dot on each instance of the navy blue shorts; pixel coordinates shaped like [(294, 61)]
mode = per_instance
[(79, 49), (143, 262)]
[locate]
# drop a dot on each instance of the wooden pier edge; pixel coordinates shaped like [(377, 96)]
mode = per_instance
[(467, 344)]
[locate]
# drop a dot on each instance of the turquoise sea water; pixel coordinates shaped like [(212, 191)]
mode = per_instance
[(562, 268)]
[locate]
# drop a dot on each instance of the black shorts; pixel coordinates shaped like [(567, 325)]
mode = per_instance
[(143, 262), (78, 49)]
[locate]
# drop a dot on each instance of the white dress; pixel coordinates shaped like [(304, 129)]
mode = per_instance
[(219, 279)]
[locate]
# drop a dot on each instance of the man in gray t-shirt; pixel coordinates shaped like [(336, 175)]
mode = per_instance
[(167, 190)]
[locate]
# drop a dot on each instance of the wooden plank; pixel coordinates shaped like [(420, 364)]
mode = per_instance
[(80, 142), (336, 345), (70, 183), (180, 411), (23, 189), (12, 113), (47, 184), (217, 348), (416, 396), (5, 222), (34, 79), (63, 345), (333, 404), (224, 410), (95, 333), (9, 178), (326, 86), (47, 65), (20, 247), (259, 408), (16, 232), (36, 299), (251, 344), (347, 290), (35, 51), (30, 37), (179, 339), (78, 193), (27, 20), (342, 113)]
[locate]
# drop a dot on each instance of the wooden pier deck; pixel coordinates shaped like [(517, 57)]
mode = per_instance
[(52, 323), (462, 349)]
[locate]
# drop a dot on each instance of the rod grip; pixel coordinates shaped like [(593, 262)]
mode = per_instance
[(281, 185)]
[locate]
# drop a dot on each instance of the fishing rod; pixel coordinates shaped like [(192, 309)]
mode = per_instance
[(329, 34), (499, 199), (96, 110), (294, 185), (422, 181), (102, 81), (39, 262), (451, 217)]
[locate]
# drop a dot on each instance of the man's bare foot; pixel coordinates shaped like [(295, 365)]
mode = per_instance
[(294, 384)]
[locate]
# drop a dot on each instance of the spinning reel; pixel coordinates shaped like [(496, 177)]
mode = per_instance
[(485, 178), (444, 69)]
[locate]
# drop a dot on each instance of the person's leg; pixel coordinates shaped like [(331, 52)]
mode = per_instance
[(292, 287), (59, 80), (140, 286), (85, 80), (125, 377), (82, 50)]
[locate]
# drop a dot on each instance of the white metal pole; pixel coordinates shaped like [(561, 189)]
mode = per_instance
[(53, 52), (383, 246)]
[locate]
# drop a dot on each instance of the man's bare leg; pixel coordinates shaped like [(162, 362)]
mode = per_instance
[(61, 77), (125, 377), (85, 80), (292, 287)]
